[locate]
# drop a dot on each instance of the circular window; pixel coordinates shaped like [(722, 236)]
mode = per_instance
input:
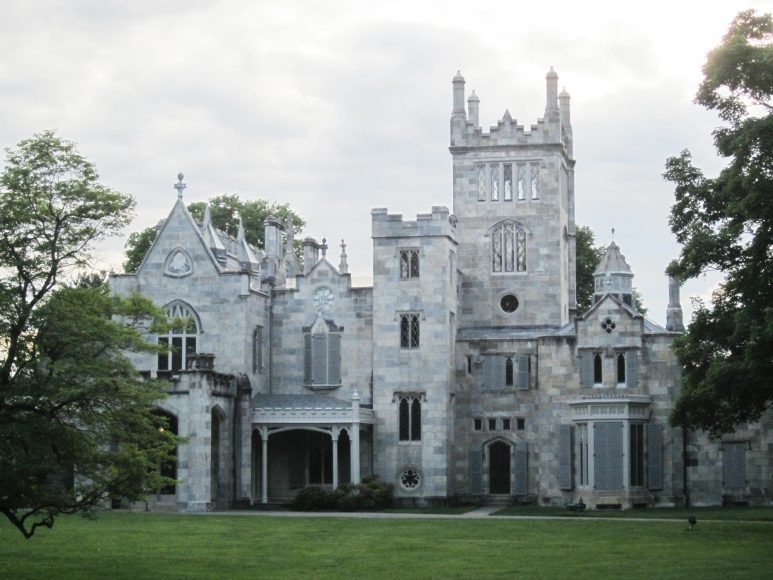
[(410, 479), (508, 303)]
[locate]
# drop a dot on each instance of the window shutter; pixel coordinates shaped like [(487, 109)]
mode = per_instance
[(734, 465), (334, 359), (489, 372), (586, 369), (499, 371), (523, 371), (632, 368), (655, 456), (319, 360), (521, 468), (565, 457), (307, 359), (608, 455), (476, 470)]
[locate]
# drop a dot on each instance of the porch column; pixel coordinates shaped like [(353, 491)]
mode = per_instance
[(334, 432), (354, 437), (264, 464)]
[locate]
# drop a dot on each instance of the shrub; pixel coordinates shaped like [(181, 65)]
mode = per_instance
[(370, 495)]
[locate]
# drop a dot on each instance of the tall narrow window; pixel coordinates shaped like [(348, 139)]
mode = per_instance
[(509, 372), (409, 264), (494, 183), (257, 350), (521, 183), (535, 181), (636, 454), (597, 374), (182, 340), (582, 454), (410, 418), (322, 361), (508, 179), (409, 331), (621, 369), (481, 183), (508, 248)]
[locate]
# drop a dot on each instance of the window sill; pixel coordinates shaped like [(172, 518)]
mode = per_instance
[(323, 387)]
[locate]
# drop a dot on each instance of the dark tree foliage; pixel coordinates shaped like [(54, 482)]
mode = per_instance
[(225, 211), (588, 256), (725, 224), (75, 418)]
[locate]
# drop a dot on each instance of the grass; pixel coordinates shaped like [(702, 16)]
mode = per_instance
[(737, 514), (139, 545)]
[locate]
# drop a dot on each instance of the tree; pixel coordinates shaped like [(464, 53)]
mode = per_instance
[(588, 257), (225, 211), (75, 417), (726, 224)]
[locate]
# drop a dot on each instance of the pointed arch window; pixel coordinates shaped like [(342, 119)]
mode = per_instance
[(508, 248), (181, 341), (322, 355)]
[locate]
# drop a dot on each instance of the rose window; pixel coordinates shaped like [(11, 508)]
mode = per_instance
[(410, 479)]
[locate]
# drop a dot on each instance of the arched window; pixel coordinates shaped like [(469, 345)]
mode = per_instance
[(410, 418), (620, 368), (181, 341), (508, 248), (322, 360), (597, 375)]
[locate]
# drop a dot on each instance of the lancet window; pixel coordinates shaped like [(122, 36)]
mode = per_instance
[(181, 340), (508, 248)]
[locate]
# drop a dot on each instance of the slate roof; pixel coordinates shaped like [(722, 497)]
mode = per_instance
[(613, 261)]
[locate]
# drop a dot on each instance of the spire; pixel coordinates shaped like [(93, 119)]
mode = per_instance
[(179, 186), (552, 91), (343, 266), (247, 258), (473, 106), (210, 235), (458, 83), (674, 320)]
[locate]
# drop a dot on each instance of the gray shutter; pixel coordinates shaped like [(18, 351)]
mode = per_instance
[(521, 468), (499, 371), (489, 371), (319, 359), (632, 368), (655, 456), (565, 457), (307, 359), (734, 465), (523, 372), (586, 368), (476, 469), (334, 359), (608, 455)]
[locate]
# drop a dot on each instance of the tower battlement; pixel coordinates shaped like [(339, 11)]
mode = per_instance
[(439, 222), (554, 128)]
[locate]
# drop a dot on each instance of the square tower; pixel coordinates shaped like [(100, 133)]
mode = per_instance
[(514, 201)]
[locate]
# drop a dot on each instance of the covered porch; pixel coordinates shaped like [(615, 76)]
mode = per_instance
[(302, 440)]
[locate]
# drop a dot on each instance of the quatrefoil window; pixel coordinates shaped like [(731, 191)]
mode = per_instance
[(608, 325)]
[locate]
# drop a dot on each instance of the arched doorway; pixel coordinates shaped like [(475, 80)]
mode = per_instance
[(499, 468)]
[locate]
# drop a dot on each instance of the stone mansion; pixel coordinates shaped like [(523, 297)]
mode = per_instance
[(463, 373)]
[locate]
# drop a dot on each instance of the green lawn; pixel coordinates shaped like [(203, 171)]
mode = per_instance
[(138, 545), (702, 513)]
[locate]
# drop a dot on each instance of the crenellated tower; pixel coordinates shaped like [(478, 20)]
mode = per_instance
[(514, 201)]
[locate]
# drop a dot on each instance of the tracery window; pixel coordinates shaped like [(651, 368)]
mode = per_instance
[(535, 181), (521, 183), (409, 264), (410, 418), (481, 183), (508, 248), (409, 331), (181, 341), (322, 355), (508, 179), (494, 183)]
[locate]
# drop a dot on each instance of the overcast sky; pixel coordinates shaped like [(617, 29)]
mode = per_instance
[(337, 107)]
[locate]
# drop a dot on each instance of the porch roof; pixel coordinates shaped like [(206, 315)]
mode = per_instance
[(313, 409)]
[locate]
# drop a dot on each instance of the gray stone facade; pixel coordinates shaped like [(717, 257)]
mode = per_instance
[(464, 373)]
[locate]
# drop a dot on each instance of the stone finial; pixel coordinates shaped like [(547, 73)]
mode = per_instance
[(458, 93), (324, 247), (552, 91), (473, 104), (674, 317), (180, 186), (343, 267)]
